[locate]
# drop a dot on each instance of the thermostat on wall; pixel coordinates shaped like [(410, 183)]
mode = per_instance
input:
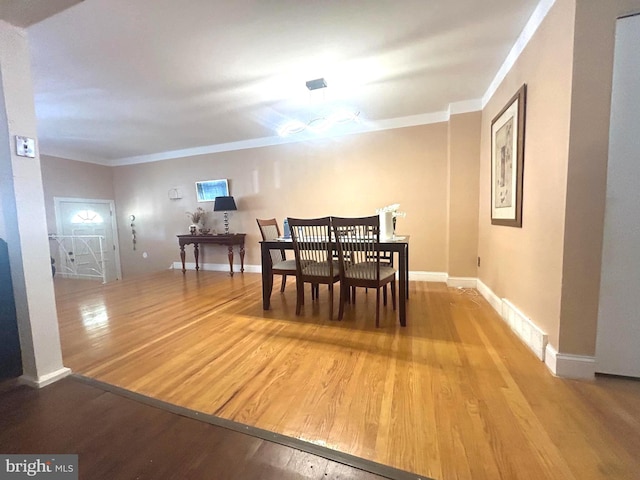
[(25, 147)]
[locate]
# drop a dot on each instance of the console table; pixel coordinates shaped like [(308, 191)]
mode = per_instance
[(229, 240)]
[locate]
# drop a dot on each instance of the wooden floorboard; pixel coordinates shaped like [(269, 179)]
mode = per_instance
[(454, 395), (118, 438)]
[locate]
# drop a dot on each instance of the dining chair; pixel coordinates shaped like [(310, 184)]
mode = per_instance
[(360, 260), (313, 249), (279, 264), (386, 259)]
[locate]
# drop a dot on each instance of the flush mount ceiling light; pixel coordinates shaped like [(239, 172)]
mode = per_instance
[(321, 123), (316, 84), (318, 124)]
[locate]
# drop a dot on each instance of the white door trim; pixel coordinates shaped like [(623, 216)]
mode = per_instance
[(112, 207)]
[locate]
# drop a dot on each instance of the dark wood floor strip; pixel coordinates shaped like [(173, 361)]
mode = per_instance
[(116, 437), (324, 452)]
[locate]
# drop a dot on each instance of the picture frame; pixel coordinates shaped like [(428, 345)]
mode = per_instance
[(208, 190), (507, 161)]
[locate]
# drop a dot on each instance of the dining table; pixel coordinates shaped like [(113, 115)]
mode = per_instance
[(398, 245)]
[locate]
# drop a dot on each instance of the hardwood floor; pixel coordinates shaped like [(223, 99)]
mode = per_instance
[(454, 395), (117, 438)]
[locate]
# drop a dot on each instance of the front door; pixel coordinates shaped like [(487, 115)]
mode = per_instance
[(78, 222)]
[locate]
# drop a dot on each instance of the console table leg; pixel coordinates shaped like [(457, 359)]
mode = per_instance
[(231, 260), (196, 254), (182, 258), (242, 258)]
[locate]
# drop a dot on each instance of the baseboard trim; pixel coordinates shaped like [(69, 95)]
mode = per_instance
[(428, 276), (216, 267), (489, 296), (524, 327), (224, 267), (526, 330), (570, 366), (462, 282), (44, 380), (415, 276)]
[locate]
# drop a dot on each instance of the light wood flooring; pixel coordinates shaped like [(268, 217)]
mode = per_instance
[(119, 438), (454, 395)]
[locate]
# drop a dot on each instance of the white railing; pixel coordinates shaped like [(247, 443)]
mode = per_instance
[(79, 256)]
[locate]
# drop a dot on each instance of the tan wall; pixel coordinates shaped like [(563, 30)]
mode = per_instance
[(587, 170), (464, 170), (524, 265), (351, 175), (68, 178)]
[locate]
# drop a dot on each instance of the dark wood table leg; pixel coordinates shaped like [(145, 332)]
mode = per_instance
[(242, 257), (267, 277), (407, 254), (402, 294), (182, 257), (196, 254), (231, 260)]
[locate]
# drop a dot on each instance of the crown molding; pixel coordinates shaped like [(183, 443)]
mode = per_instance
[(466, 106), (70, 155), (363, 126), (529, 29)]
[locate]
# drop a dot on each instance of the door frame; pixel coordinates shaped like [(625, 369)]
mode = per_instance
[(114, 226), (616, 337)]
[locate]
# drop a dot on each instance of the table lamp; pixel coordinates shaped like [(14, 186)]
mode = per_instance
[(226, 205)]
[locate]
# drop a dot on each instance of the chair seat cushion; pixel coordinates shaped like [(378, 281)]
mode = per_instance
[(316, 269), (289, 265), (367, 271)]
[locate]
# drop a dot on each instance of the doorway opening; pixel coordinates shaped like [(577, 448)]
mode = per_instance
[(86, 244)]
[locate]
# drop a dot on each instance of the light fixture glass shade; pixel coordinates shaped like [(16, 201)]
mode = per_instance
[(342, 116), (290, 128), (321, 124), (318, 124)]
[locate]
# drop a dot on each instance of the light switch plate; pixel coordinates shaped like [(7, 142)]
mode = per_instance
[(25, 147)]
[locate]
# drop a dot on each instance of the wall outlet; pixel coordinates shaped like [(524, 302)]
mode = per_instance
[(25, 147)]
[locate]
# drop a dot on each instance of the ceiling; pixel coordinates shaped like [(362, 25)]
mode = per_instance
[(23, 13), (121, 80)]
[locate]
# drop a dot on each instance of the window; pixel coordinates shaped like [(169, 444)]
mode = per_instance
[(87, 216)]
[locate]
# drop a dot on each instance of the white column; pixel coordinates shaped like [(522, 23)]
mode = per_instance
[(23, 221)]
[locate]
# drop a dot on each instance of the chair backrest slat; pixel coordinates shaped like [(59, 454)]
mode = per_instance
[(270, 231), (312, 246), (358, 244)]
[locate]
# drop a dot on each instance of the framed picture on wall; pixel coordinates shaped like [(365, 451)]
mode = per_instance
[(507, 161), (208, 190)]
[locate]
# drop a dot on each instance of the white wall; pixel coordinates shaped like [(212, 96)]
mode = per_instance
[(23, 216)]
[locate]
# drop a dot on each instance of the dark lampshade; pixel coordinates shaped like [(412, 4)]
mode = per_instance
[(224, 204)]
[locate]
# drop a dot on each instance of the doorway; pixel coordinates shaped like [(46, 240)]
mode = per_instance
[(618, 340), (80, 223)]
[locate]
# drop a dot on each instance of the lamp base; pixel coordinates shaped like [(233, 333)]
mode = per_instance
[(226, 223)]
